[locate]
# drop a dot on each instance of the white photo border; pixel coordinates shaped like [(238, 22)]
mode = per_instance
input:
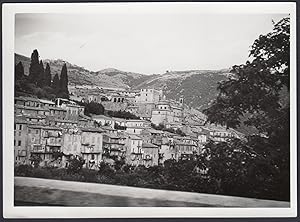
[(8, 23)]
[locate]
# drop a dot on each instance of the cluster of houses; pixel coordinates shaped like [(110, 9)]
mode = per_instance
[(43, 129)]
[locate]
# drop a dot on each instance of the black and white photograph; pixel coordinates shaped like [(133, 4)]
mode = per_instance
[(149, 109)]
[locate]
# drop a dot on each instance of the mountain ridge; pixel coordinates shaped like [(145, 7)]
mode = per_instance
[(198, 87)]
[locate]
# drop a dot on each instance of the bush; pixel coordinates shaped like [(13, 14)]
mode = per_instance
[(75, 164), (42, 173), (23, 170)]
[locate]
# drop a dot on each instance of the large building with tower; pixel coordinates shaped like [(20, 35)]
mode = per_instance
[(168, 113)]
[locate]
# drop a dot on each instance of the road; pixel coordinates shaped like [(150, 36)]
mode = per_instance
[(70, 193)]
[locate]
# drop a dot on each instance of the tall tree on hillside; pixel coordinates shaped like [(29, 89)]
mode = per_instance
[(41, 77), (34, 68), (253, 95), (19, 71), (47, 75), (56, 84), (64, 82)]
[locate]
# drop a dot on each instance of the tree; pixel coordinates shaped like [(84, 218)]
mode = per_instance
[(256, 95), (75, 164), (47, 75), (64, 82), (19, 71), (235, 168), (41, 76), (35, 160), (34, 68), (55, 84), (93, 108)]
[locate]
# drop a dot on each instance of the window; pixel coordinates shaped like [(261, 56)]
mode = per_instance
[(93, 156), (14, 126), (37, 131), (20, 127), (19, 143), (14, 142)]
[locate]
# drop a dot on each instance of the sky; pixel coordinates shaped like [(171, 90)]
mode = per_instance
[(148, 43)]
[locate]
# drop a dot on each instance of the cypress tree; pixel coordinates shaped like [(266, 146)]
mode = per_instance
[(19, 71), (34, 69), (47, 75), (41, 76), (64, 81), (56, 84)]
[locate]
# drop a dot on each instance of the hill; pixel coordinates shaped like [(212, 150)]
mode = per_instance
[(112, 78), (198, 87)]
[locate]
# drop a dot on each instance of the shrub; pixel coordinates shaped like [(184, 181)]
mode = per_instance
[(23, 170), (75, 164)]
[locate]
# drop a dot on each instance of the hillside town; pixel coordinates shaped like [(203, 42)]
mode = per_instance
[(54, 131)]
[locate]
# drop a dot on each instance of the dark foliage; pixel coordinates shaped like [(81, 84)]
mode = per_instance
[(162, 127), (55, 84), (75, 164), (183, 175), (119, 127), (41, 76), (122, 114), (47, 75), (93, 108), (38, 82), (34, 69), (253, 96), (19, 71), (64, 93)]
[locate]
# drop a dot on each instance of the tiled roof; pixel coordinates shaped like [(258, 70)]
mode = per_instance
[(148, 145), (90, 129), (22, 98), (46, 101), (30, 107), (134, 137)]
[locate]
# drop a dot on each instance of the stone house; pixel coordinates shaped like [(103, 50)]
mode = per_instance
[(91, 146), (150, 154), (134, 153)]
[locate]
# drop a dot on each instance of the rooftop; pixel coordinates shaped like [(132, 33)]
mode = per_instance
[(101, 117), (148, 145), (30, 107), (46, 101), (134, 137), (22, 98), (90, 129)]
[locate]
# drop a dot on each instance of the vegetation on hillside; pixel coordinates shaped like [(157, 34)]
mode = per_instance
[(162, 127), (38, 81), (92, 108), (122, 114)]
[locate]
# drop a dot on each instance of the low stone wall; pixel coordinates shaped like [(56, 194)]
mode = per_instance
[(70, 193)]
